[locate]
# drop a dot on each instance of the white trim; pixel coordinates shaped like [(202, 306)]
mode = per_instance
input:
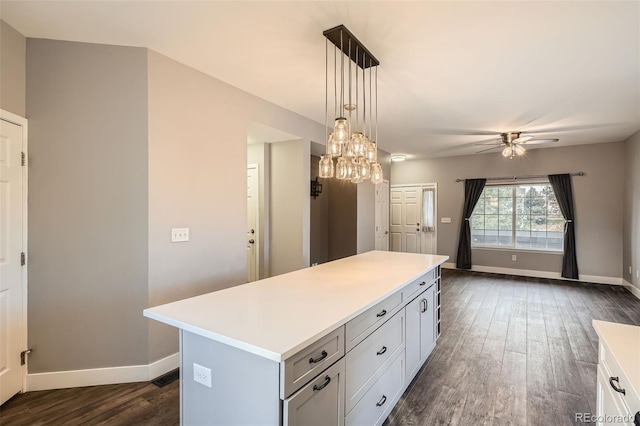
[(101, 376), (24, 123), (538, 274), (257, 239), (633, 289)]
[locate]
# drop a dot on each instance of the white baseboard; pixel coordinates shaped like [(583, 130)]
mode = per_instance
[(632, 288), (101, 376), (538, 274)]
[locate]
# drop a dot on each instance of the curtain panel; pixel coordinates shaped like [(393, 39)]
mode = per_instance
[(561, 185), (472, 191)]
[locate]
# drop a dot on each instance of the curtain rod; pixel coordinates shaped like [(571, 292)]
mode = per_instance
[(523, 177)]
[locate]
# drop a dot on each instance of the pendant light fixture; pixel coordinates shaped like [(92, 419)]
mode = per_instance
[(351, 149)]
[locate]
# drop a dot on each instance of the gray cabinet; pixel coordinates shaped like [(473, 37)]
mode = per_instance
[(421, 330), (321, 402)]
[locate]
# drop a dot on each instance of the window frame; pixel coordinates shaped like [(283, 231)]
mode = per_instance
[(513, 186)]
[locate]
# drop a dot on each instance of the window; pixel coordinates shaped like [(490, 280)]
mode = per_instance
[(522, 216)]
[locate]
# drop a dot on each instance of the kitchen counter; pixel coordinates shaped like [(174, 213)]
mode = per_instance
[(276, 317)]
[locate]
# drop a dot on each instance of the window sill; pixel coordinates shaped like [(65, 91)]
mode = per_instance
[(517, 250)]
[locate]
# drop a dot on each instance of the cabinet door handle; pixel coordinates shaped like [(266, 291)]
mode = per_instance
[(322, 356), (382, 401), (383, 313), (381, 351), (616, 388), (327, 380), (425, 305)]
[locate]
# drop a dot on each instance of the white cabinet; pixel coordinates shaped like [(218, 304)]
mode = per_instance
[(618, 388), (320, 403), (611, 409), (421, 330)]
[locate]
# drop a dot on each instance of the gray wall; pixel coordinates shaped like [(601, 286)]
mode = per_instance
[(290, 206), (260, 154), (87, 109), (598, 200), (13, 50), (319, 229), (631, 240)]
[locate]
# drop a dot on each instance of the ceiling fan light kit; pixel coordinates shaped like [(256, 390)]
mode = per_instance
[(513, 144), (351, 144)]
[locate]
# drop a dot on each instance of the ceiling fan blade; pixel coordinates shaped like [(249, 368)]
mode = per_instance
[(568, 128), (463, 132), (489, 149), (523, 139), (492, 141), (539, 141)]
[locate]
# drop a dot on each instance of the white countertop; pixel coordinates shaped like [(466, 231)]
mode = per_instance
[(276, 317), (624, 342)]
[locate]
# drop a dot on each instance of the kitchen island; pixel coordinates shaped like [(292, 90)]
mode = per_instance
[(333, 344)]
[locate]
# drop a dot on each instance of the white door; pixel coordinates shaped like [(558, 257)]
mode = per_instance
[(252, 222), (428, 222), (406, 207), (12, 181), (382, 216)]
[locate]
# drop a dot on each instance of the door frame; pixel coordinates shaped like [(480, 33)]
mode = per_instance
[(23, 123), (422, 186), (258, 219)]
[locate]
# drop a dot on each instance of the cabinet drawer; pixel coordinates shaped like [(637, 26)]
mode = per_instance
[(311, 361), (418, 286), (367, 361), (319, 403), (610, 368), (365, 323), (376, 404)]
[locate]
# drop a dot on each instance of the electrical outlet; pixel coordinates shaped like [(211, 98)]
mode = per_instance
[(179, 235), (202, 375), (514, 257)]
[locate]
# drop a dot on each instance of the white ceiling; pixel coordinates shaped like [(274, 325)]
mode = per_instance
[(446, 67)]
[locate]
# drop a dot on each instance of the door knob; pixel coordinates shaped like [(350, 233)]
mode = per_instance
[(251, 241), (253, 231), (386, 232)]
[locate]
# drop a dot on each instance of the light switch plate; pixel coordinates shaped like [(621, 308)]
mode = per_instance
[(445, 220), (179, 235)]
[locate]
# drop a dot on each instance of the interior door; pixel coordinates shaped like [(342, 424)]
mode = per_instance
[(252, 222), (406, 212), (12, 325), (382, 216)]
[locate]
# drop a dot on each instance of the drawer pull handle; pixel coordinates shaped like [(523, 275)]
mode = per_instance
[(616, 388), (423, 283), (327, 380), (383, 313), (381, 351), (320, 358), (382, 401)]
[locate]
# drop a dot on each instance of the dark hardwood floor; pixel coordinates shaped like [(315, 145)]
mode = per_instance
[(513, 351)]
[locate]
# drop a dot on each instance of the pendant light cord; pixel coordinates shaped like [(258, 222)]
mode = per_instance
[(326, 91)]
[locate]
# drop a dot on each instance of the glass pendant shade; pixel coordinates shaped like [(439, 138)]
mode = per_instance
[(376, 173), (352, 167), (356, 145), (326, 167), (519, 150), (342, 171), (334, 148), (364, 169), (507, 152), (341, 130), (371, 152)]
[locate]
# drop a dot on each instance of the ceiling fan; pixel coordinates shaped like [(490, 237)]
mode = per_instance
[(512, 143)]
